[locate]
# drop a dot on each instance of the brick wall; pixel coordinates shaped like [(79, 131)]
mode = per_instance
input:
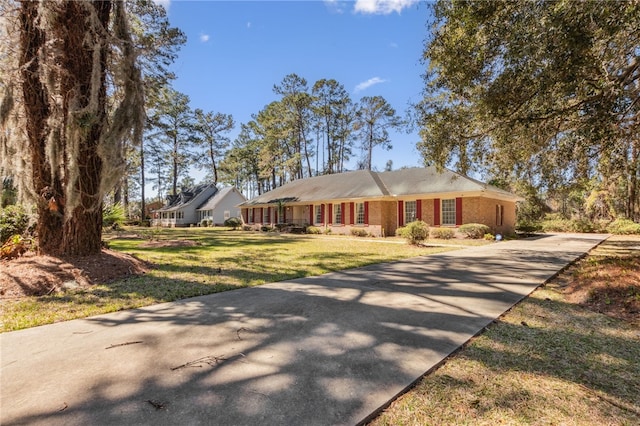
[(483, 210)]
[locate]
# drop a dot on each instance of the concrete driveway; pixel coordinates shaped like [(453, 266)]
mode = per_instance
[(324, 350)]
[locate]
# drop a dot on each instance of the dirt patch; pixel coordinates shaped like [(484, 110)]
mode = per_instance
[(34, 275)]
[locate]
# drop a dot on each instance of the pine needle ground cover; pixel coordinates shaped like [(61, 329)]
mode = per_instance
[(567, 355), (198, 261)]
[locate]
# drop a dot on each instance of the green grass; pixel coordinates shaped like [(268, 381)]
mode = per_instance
[(245, 258), (545, 362)]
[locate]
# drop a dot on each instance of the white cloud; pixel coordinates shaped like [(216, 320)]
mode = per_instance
[(366, 84), (393, 45), (382, 7), (335, 6), (248, 24), (204, 37)]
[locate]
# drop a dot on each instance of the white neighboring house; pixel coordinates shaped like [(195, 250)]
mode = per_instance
[(221, 206), (191, 205)]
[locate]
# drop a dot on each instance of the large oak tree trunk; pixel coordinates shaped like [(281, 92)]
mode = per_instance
[(67, 174), (82, 232), (47, 185)]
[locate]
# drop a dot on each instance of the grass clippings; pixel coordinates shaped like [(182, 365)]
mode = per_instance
[(554, 359)]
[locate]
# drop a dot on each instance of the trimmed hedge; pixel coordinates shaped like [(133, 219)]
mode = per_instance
[(416, 232), (314, 230), (359, 232), (233, 222), (443, 233), (474, 231)]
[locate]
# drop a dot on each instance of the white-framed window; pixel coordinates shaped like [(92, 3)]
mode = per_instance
[(410, 211), (449, 212), (499, 214), (337, 214), (265, 215), (227, 214), (318, 213), (359, 214)]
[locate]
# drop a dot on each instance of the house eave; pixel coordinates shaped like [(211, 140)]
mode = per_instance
[(393, 197)]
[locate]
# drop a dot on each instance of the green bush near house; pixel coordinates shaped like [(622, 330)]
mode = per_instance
[(14, 220), (400, 231), (359, 232), (474, 231), (233, 222), (314, 230), (415, 232), (443, 233), (528, 227), (623, 227)]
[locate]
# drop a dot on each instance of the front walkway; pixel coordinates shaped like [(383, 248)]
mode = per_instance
[(322, 350)]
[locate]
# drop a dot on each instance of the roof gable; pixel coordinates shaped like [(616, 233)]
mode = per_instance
[(188, 196), (212, 202)]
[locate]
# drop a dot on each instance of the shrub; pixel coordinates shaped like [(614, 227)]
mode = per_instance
[(14, 220), (247, 228), (474, 230), (359, 232), (489, 237), (624, 227), (556, 225), (400, 232), (15, 246), (528, 227), (314, 230), (443, 233), (416, 231), (581, 225), (113, 216), (206, 222), (233, 222)]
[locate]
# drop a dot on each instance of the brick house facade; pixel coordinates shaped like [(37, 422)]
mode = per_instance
[(381, 202)]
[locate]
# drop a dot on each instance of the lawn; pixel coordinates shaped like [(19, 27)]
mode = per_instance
[(551, 360), (216, 259)]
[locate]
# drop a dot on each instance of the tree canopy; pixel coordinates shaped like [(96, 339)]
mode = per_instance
[(540, 92)]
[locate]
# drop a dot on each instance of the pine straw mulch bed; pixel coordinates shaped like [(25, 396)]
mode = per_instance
[(37, 275), (608, 280)]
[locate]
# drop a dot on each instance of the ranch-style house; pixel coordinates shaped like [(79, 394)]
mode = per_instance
[(381, 202)]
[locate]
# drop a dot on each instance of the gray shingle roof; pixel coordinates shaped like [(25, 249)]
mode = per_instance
[(184, 198), (368, 184), (215, 199)]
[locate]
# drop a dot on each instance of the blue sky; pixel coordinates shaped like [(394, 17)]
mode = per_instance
[(237, 51)]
